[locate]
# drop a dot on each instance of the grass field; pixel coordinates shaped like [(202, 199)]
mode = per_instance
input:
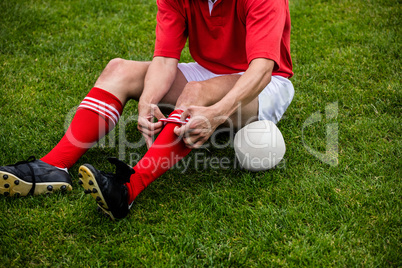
[(307, 212)]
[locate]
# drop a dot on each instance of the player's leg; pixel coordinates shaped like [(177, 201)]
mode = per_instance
[(113, 192), (97, 114), (99, 111)]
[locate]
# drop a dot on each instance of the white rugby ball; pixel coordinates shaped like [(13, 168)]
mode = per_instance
[(259, 146)]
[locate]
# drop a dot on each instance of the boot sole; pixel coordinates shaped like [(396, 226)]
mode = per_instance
[(11, 185), (88, 181)]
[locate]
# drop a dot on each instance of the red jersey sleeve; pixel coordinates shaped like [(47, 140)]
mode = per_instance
[(171, 29), (265, 24)]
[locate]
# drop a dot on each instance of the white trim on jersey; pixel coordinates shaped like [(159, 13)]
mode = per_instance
[(211, 6)]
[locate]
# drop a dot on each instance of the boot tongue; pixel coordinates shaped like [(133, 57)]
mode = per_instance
[(123, 171)]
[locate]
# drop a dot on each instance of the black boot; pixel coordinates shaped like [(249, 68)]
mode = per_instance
[(108, 189), (33, 176)]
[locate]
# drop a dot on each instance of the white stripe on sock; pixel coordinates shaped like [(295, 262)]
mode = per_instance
[(100, 108), (111, 118), (110, 108), (175, 118)]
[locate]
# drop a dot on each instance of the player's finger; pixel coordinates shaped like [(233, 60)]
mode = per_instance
[(186, 113), (179, 131), (158, 125), (157, 112), (149, 132), (193, 132), (142, 126), (142, 123), (198, 144), (146, 125), (154, 127), (194, 143), (148, 140)]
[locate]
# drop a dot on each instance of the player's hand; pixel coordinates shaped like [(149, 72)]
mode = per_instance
[(146, 115), (202, 124)]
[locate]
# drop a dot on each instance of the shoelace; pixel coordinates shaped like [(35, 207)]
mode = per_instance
[(29, 160)]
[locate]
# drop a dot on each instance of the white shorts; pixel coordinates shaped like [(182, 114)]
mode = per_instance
[(273, 100)]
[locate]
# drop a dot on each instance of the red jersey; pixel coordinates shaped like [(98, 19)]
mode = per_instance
[(228, 39)]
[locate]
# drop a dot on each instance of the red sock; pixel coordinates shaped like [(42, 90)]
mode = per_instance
[(164, 153), (97, 114)]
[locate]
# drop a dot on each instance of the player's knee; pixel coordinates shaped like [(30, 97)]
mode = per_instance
[(114, 67), (120, 72), (193, 86), (191, 95)]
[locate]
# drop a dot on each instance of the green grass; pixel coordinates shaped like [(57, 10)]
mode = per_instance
[(304, 213)]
